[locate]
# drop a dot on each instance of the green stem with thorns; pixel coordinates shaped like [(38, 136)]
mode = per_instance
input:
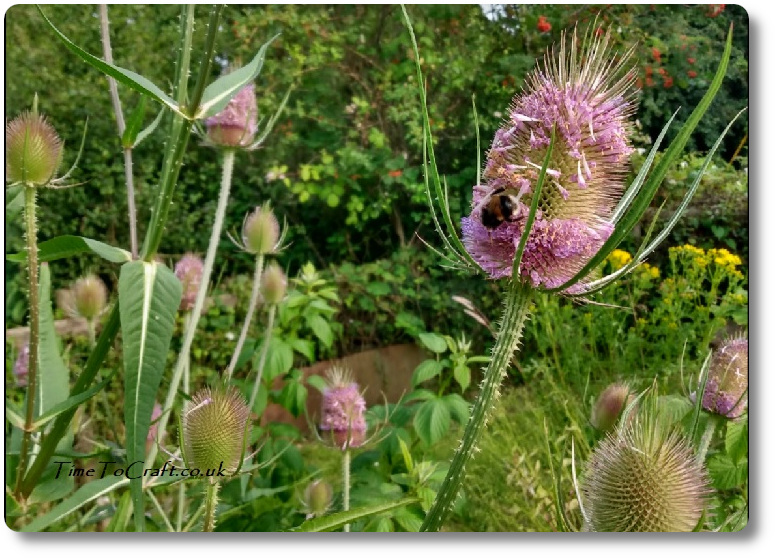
[(32, 368), (518, 302), (346, 483), (248, 317), (211, 502)]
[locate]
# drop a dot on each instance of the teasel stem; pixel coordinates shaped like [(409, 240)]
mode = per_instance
[(346, 484), (181, 512), (248, 317), (32, 374), (211, 502), (518, 302), (128, 175), (707, 437), (196, 312), (262, 358)]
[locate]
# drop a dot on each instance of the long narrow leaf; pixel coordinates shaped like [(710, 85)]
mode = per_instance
[(218, 94), (149, 295), (53, 376), (336, 520), (127, 77), (87, 493), (67, 245)]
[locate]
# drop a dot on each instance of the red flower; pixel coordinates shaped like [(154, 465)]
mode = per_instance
[(543, 25), (668, 82), (662, 72), (656, 54), (692, 74), (715, 9), (598, 31), (395, 173), (639, 83), (649, 71), (690, 60), (649, 82)]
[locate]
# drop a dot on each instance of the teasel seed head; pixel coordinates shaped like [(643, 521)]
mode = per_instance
[(586, 95), (189, 271), (343, 409), (261, 231), (33, 150), (645, 477), (726, 389), (237, 124), (89, 297), (274, 284), (317, 498), (609, 406), (214, 425)]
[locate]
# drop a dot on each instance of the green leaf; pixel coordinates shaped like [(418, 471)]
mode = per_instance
[(317, 382), (149, 129), (736, 439), (120, 520), (218, 94), (433, 342), (458, 407), (462, 375), (54, 377), (305, 347), (127, 77), (133, 124), (15, 203), (379, 525), (425, 371), (149, 296), (673, 408), (321, 329), (340, 519), (279, 359), (408, 521), (68, 245), (87, 493), (725, 473), (432, 421)]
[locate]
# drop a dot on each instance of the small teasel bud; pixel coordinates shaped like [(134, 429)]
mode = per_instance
[(33, 150), (214, 423), (237, 124), (317, 498), (89, 296), (645, 478), (343, 409), (273, 284), (22, 365), (609, 406), (261, 231), (726, 389), (189, 271)]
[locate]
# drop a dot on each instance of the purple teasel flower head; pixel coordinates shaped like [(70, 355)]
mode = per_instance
[(237, 124), (726, 389), (22, 366), (343, 409), (189, 270), (587, 96)]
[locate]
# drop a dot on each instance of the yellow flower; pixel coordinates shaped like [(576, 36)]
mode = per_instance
[(619, 258)]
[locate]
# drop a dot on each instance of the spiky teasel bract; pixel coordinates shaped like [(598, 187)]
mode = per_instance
[(261, 232), (214, 426), (645, 476), (585, 96), (343, 409), (726, 388)]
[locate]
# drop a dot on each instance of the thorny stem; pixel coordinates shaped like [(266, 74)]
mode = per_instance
[(262, 358), (32, 370), (196, 312), (346, 485), (211, 502), (186, 388), (248, 317), (516, 313), (130, 183)]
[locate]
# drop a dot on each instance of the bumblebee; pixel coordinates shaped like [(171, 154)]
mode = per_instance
[(501, 205)]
